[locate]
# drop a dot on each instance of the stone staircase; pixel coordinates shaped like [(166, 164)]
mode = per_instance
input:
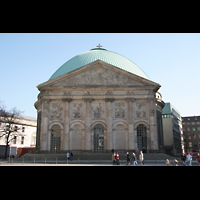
[(91, 156)]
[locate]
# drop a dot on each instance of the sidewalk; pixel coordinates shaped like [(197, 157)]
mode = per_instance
[(87, 163)]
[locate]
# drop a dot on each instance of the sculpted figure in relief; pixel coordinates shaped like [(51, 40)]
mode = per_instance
[(119, 110), (141, 110), (77, 110), (56, 110), (98, 111)]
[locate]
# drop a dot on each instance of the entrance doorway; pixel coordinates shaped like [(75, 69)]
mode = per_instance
[(98, 139), (142, 138), (55, 139)]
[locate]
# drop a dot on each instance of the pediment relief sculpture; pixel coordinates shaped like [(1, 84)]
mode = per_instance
[(97, 76)]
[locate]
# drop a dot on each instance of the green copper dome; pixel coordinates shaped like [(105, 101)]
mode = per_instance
[(99, 54)]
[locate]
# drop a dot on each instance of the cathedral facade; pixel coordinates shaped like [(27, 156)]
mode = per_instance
[(96, 102)]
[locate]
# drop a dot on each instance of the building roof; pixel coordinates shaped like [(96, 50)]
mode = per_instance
[(99, 54), (170, 109)]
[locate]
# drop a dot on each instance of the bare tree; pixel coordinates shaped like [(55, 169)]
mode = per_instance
[(9, 121)]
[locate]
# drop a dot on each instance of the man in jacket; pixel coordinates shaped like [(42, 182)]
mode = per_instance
[(141, 157)]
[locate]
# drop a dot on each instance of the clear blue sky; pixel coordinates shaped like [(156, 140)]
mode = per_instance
[(172, 60)]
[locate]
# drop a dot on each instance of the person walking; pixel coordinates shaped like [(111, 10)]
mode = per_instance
[(134, 159), (141, 157), (183, 158), (198, 158), (71, 156), (114, 158), (189, 159), (167, 162), (117, 159), (128, 158), (67, 156), (176, 162)]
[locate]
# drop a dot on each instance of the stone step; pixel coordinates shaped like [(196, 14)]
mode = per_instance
[(93, 156)]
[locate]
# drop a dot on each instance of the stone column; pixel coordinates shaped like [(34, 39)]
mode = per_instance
[(109, 123), (44, 125), (153, 126), (88, 117), (131, 135), (65, 142)]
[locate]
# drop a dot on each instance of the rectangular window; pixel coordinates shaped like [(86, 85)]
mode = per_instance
[(22, 140), (15, 140), (188, 129), (198, 128), (190, 144), (193, 123), (193, 129), (23, 129)]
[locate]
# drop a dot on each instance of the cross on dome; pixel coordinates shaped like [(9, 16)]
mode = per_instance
[(99, 46)]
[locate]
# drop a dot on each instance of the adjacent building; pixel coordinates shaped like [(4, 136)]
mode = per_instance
[(172, 130), (191, 133), (25, 134)]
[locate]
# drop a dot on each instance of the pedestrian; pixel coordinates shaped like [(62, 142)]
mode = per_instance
[(128, 158), (71, 156), (117, 159), (189, 159), (141, 157), (176, 162), (134, 159), (67, 155), (167, 162), (114, 158), (183, 158), (198, 158)]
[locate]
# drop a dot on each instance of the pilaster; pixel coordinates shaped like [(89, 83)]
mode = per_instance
[(88, 133), (66, 136), (131, 135), (153, 126), (109, 123), (44, 125)]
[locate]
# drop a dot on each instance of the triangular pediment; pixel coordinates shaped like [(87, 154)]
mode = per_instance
[(98, 73)]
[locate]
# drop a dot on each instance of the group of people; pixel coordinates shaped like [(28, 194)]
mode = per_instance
[(186, 158), (132, 160), (71, 156)]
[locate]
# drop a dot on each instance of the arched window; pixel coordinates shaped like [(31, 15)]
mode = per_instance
[(55, 138), (98, 138), (142, 138)]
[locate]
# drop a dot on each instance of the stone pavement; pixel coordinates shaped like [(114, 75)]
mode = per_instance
[(88, 163)]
